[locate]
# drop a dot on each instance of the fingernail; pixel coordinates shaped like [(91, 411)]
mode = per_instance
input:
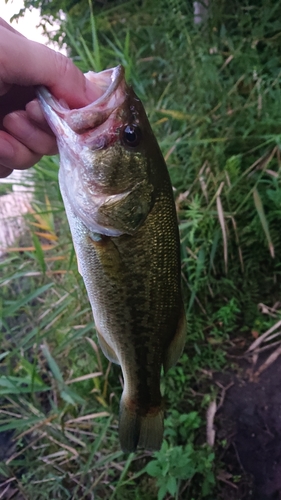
[(6, 150)]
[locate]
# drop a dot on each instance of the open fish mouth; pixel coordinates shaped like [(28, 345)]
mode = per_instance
[(110, 88)]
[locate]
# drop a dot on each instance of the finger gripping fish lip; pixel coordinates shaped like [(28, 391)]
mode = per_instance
[(110, 86)]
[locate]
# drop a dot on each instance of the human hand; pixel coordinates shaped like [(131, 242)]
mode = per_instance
[(24, 133)]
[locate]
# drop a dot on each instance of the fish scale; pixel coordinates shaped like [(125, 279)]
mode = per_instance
[(119, 203)]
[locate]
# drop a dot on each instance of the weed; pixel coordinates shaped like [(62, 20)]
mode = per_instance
[(175, 464)]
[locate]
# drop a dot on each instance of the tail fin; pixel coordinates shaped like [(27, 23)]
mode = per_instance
[(143, 431)]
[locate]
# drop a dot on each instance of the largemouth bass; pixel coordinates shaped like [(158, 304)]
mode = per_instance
[(119, 203)]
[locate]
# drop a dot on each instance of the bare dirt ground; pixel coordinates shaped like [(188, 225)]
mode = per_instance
[(249, 422)]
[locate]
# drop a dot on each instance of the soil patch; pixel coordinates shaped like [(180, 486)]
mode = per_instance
[(250, 423)]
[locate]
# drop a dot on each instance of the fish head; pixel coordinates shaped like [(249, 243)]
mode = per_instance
[(105, 164)]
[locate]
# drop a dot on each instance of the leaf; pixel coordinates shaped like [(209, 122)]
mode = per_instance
[(39, 253), (20, 423), (177, 115), (214, 248), (71, 396), (52, 364), (223, 228), (208, 483), (47, 236), (4, 354), (19, 385), (28, 298), (47, 172), (199, 269), (66, 396), (255, 334), (31, 372), (162, 491), (153, 469), (261, 214), (66, 393), (172, 485), (95, 42)]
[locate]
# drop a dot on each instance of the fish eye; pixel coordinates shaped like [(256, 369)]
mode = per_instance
[(131, 135)]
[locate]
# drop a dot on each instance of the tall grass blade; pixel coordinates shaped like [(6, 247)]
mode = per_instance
[(264, 223), (223, 228), (9, 311), (52, 364), (39, 253), (95, 42), (199, 268)]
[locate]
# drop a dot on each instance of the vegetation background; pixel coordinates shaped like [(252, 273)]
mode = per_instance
[(212, 93)]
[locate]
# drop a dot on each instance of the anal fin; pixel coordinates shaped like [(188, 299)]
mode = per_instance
[(174, 351), (107, 350)]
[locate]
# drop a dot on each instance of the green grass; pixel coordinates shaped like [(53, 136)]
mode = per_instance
[(212, 94)]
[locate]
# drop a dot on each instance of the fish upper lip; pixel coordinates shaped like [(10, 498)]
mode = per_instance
[(115, 74), (80, 119)]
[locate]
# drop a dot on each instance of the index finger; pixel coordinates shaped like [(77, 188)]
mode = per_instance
[(30, 63), (9, 27)]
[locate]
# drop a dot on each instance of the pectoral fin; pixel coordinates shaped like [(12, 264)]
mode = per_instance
[(176, 346), (107, 350)]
